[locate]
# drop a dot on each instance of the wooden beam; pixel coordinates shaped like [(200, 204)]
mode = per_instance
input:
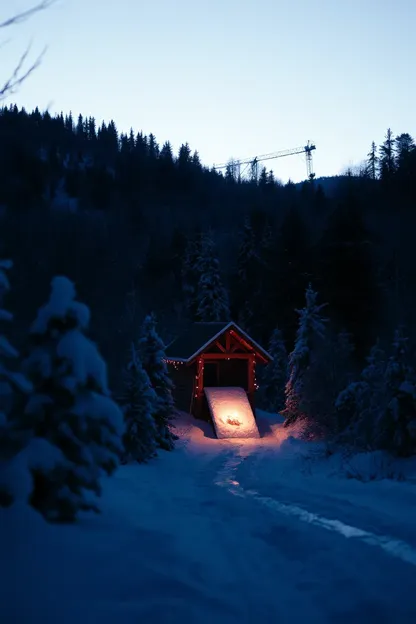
[(219, 345), (236, 346), (225, 356), (227, 341), (243, 342)]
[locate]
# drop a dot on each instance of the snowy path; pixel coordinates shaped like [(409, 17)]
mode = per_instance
[(217, 532)]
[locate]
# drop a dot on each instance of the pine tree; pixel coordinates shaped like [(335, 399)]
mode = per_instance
[(152, 355), (12, 381), (395, 429), (359, 405), (139, 403), (311, 328), (70, 407), (275, 375), (387, 163), (372, 162), (19, 451), (7, 351), (212, 297), (404, 146)]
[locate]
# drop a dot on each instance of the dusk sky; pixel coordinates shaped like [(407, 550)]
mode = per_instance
[(233, 78)]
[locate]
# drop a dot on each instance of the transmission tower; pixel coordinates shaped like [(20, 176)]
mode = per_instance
[(239, 167)]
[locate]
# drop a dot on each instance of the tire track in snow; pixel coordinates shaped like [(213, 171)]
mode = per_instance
[(394, 547)]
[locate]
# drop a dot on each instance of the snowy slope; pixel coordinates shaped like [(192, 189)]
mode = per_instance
[(231, 413), (224, 531)]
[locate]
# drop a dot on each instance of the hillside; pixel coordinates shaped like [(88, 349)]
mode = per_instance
[(116, 214)]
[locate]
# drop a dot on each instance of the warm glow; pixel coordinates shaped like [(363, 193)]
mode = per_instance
[(231, 413)]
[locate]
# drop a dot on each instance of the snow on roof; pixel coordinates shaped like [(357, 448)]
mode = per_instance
[(200, 335)]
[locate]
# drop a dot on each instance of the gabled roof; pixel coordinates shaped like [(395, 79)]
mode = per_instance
[(199, 336)]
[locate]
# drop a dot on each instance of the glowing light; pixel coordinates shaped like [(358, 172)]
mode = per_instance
[(231, 412)]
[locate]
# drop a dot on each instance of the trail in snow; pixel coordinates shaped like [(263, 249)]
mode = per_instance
[(395, 547), (172, 546)]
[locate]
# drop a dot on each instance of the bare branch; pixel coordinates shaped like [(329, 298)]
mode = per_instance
[(17, 77), (24, 15), (20, 74)]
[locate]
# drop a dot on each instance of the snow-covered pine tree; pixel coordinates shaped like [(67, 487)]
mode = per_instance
[(395, 429), (359, 405), (275, 375), (13, 384), (330, 371), (213, 304), (311, 329), (70, 407), (7, 351), (20, 452), (138, 403), (151, 351)]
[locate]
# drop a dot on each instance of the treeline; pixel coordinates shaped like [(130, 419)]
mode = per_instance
[(138, 228)]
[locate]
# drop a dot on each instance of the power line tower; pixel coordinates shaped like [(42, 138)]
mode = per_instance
[(239, 168)]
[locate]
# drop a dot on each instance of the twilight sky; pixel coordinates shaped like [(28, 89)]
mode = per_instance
[(234, 78)]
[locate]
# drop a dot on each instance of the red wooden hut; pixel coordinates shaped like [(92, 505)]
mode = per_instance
[(212, 355)]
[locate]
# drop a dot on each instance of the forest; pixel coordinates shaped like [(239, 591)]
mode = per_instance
[(323, 271)]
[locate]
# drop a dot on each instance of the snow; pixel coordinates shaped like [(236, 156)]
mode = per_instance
[(85, 361), (227, 531), (15, 475), (103, 409), (62, 300), (231, 413)]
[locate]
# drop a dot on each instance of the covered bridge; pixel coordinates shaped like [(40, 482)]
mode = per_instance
[(210, 355)]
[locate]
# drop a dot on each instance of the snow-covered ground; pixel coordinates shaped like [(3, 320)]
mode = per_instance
[(222, 531)]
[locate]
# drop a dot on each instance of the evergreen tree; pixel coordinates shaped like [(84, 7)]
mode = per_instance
[(152, 355), (70, 407), (19, 452), (153, 147), (7, 351), (212, 296), (372, 162), (184, 156), (404, 146), (275, 375), (359, 405), (311, 329), (12, 381), (387, 163), (80, 130), (139, 403), (395, 430)]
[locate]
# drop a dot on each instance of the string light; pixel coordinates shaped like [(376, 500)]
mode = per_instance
[(174, 363), (197, 379)]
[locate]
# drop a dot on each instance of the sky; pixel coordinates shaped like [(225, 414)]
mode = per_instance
[(233, 78)]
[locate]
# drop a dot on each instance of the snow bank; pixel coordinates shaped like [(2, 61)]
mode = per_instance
[(231, 413)]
